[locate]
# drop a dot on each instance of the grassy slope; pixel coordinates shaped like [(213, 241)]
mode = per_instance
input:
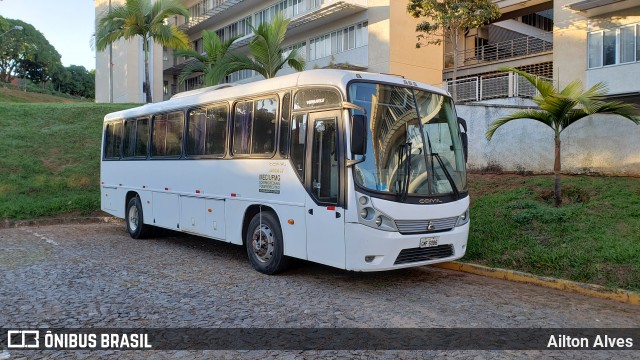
[(17, 96), (50, 158), (594, 237)]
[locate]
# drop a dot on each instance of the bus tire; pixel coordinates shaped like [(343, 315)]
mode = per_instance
[(264, 244), (135, 220)]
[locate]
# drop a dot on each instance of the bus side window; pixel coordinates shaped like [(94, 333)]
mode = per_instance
[(142, 137), (254, 125), (298, 142), (136, 138), (113, 138), (206, 131), (284, 125), (242, 127), (167, 134), (129, 142), (264, 126)]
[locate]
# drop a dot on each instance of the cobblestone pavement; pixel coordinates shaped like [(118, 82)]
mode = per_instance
[(96, 276)]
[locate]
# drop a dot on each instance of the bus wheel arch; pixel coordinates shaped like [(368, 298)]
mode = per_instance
[(134, 217), (263, 240)]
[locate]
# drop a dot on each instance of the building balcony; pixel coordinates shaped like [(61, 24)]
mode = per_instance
[(496, 86), (207, 13), (489, 58)]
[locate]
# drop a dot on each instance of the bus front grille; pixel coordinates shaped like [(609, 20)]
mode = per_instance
[(426, 226), (408, 256)]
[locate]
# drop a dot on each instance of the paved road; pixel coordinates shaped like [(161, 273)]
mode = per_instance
[(96, 276)]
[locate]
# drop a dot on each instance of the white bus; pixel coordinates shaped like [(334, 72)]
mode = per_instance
[(354, 170)]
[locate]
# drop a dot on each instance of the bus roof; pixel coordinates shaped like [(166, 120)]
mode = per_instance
[(320, 77)]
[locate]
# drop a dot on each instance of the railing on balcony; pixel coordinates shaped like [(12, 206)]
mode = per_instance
[(491, 87), (293, 9), (205, 9), (501, 51)]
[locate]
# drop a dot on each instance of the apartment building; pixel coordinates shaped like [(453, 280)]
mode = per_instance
[(368, 35), (562, 40)]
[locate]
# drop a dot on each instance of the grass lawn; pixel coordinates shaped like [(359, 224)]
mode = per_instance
[(8, 95), (50, 158), (594, 237)]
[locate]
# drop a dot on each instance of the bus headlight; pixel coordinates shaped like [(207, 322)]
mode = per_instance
[(364, 213), (463, 218), (379, 220)]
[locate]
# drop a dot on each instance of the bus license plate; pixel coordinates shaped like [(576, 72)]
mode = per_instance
[(429, 241)]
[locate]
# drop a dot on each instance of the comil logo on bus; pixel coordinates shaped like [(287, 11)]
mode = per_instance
[(23, 339)]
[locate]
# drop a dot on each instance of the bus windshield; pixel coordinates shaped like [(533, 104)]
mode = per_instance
[(414, 146)]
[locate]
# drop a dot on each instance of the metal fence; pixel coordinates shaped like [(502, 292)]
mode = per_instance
[(523, 46), (491, 87)]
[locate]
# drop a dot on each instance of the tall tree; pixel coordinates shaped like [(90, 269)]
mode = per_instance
[(25, 53), (561, 108), (267, 51), (451, 19), (214, 64), (140, 18)]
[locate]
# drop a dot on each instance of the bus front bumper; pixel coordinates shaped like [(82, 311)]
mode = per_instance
[(369, 249)]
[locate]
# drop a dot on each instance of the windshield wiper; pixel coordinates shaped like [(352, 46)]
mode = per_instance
[(447, 174), (404, 170)]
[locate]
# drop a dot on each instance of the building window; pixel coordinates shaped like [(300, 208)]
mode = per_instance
[(627, 44), (339, 41), (301, 48), (239, 28), (614, 46), (238, 76), (609, 47), (194, 83)]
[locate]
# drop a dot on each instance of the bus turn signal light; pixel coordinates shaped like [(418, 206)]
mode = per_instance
[(291, 222)]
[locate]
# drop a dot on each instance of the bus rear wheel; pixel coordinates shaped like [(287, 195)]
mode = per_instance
[(265, 247), (135, 220)]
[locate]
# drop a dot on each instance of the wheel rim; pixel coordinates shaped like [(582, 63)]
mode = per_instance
[(262, 243), (134, 218)]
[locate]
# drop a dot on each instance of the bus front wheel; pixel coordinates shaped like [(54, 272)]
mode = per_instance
[(135, 220), (265, 247)]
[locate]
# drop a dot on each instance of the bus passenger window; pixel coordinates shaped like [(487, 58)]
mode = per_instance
[(129, 143), (167, 134), (298, 141), (113, 138), (254, 127), (242, 127), (284, 125), (264, 126), (206, 131), (142, 137)]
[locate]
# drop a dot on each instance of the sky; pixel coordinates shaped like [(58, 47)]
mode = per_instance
[(67, 25)]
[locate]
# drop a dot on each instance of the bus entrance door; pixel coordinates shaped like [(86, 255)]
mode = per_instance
[(324, 218)]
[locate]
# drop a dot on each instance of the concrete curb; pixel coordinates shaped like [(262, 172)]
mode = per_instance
[(548, 282), (6, 224)]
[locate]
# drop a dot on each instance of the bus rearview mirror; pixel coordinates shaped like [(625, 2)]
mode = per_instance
[(358, 135), (464, 137)]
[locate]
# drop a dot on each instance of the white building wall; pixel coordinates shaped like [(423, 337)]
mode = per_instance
[(601, 144)]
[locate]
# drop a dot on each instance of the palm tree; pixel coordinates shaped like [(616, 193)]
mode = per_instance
[(141, 18), (561, 108), (266, 49), (214, 64)]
